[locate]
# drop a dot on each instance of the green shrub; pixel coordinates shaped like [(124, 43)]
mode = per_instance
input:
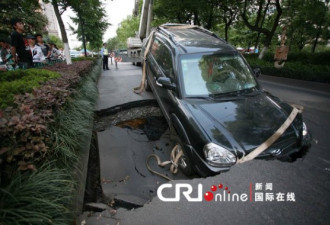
[(319, 58), (20, 82), (293, 69), (18, 74), (47, 195), (82, 58)]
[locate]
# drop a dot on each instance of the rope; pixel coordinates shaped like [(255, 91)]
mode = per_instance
[(176, 154), (140, 89), (296, 109)]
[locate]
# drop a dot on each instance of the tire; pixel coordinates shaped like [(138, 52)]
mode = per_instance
[(138, 64), (147, 86), (185, 165), (133, 63)]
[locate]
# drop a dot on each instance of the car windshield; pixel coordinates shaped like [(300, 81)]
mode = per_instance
[(216, 74)]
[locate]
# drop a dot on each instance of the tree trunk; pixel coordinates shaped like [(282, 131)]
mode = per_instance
[(226, 32), (316, 39), (263, 52), (63, 33), (83, 34), (257, 42)]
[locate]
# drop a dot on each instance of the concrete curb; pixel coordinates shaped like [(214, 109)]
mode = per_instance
[(81, 170)]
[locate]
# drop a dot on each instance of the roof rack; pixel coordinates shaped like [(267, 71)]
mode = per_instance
[(164, 28), (171, 36)]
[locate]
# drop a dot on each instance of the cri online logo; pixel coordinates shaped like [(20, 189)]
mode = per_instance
[(221, 193), (218, 193)]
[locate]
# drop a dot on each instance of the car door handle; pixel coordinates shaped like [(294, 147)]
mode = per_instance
[(158, 84)]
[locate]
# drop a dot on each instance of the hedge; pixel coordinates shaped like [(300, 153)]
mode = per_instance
[(20, 82), (45, 192), (297, 67)]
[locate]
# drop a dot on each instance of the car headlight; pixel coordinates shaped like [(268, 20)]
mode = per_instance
[(304, 133), (218, 156)]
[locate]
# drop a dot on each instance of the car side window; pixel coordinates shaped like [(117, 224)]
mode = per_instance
[(162, 56)]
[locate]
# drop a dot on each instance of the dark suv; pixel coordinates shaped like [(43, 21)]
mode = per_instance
[(210, 96)]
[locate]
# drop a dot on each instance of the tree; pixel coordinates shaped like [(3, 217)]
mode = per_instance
[(114, 43), (127, 28), (229, 11), (56, 41), (29, 11), (90, 18), (64, 4), (260, 9)]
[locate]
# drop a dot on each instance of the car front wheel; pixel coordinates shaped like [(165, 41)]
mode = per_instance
[(185, 163)]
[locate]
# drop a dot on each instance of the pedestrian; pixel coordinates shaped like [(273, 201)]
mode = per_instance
[(105, 55), (44, 47), (36, 52), (111, 56), (5, 50), (54, 52), (19, 45)]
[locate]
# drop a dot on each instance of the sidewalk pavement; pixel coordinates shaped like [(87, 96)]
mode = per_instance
[(116, 86)]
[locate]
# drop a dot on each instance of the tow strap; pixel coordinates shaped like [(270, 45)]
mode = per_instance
[(140, 89), (296, 109), (176, 154)]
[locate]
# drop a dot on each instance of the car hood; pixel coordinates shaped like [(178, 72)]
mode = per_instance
[(242, 123)]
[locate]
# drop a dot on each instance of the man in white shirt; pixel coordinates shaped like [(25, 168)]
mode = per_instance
[(37, 54), (105, 55)]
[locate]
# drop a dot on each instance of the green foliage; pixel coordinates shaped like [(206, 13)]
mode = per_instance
[(58, 42), (127, 29), (298, 67), (83, 58), (41, 197), (46, 196), (91, 21), (28, 11), (114, 43), (20, 82)]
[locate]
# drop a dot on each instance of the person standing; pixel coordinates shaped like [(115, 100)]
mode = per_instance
[(5, 50), (105, 55), (19, 45), (44, 47), (36, 51), (54, 52)]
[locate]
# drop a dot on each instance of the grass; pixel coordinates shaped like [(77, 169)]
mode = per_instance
[(37, 198), (47, 196)]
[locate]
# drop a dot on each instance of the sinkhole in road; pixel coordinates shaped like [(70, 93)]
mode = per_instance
[(117, 173)]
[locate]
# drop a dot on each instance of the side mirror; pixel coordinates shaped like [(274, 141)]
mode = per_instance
[(165, 82), (257, 72)]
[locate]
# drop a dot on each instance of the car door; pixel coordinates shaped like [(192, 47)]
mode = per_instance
[(160, 64)]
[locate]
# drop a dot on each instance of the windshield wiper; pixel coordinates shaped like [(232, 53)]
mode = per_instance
[(200, 97), (228, 94)]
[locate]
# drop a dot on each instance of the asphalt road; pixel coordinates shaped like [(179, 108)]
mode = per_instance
[(307, 180)]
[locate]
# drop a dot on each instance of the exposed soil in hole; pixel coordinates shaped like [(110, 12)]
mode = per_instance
[(140, 125), (153, 127), (105, 121)]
